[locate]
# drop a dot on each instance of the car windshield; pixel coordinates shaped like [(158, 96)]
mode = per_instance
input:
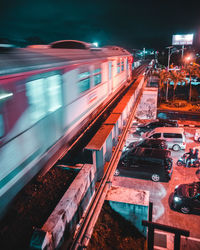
[(139, 143), (189, 190)]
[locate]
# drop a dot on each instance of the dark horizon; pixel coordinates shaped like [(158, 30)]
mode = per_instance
[(127, 24)]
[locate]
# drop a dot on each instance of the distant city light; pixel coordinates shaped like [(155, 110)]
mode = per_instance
[(95, 44), (188, 58)]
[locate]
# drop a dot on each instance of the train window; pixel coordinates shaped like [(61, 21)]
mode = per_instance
[(36, 98), (110, 70), (84, 75), (84, 85), (122, 65), (118, 67), (97, 79), (97, 76), (54, 92), (97, 71), (84, 79), (2, 131), (127, 63)]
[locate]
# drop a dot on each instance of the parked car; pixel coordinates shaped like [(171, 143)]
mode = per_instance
[(147, 163), (186, 198), (148, 143), (175, 137), (197, 135), (156, 123)]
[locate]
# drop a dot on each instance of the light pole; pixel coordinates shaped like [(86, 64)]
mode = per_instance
[(182, 51), (169, 54), (144, 52)]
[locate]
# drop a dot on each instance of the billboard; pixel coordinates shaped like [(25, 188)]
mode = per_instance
[(182, 39)]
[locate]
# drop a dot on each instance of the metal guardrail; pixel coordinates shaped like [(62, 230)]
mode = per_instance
[(177, 231)]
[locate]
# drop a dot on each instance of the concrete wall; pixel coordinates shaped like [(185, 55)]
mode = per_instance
[(62, 222), (131, 204)]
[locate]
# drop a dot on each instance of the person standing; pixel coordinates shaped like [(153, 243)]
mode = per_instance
[(196, 154), (190, 156)]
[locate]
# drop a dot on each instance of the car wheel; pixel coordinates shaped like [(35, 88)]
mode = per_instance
[(179, 163), (117, 172), (155, 177), (176, 147), (185, 210), (169, 163)]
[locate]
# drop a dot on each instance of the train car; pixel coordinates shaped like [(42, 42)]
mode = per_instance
[(47, 94)]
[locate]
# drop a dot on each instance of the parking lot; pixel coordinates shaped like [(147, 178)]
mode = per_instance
[(160, 192)]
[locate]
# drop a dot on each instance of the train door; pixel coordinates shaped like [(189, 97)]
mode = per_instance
[(53, 120), (44, 98)]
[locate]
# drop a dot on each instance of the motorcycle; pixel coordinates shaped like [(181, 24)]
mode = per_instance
[(193, 162)]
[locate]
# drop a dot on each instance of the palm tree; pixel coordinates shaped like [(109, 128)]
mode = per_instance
[(167, 80), (191, 70), (177, 77), (163, 78)]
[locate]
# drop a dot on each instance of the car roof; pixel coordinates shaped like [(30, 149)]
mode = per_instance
[(152, 152), (161, 121), (167, 120), (168, 130)]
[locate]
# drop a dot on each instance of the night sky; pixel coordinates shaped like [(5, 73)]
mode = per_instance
[(127, 23)]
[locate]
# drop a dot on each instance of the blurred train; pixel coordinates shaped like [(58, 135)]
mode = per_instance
[(47, 94)]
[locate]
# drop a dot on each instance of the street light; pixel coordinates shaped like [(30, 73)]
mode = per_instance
[(170, 53), (188, 59)]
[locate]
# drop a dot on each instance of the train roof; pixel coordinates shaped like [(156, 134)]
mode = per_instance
[(17, 60)]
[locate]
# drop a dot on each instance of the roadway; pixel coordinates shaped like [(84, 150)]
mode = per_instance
[(160, 192)]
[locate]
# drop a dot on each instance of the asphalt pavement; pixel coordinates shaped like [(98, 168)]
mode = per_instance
[(159, 196)]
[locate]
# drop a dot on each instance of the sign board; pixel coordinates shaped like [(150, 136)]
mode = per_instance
[(147, 108), (182, 39)]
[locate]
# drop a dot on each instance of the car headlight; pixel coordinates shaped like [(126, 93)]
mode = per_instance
[(176, 186), (177, 199), (137, 129)]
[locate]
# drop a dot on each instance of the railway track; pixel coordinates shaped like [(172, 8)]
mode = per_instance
[(22, 216), (84, 233)]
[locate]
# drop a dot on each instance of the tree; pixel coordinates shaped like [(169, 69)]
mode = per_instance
[(160, 74), (177, 77), (164, 78), (192, 70)]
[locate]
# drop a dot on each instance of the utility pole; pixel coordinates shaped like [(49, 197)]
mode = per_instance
[(182, 52), (169, 54)]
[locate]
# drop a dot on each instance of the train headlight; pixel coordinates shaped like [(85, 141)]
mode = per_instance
[(177, 199)]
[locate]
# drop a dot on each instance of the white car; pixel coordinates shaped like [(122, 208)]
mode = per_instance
[(197, 135), (174, 136)]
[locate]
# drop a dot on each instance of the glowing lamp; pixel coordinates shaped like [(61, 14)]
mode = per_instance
[(95, 44)]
